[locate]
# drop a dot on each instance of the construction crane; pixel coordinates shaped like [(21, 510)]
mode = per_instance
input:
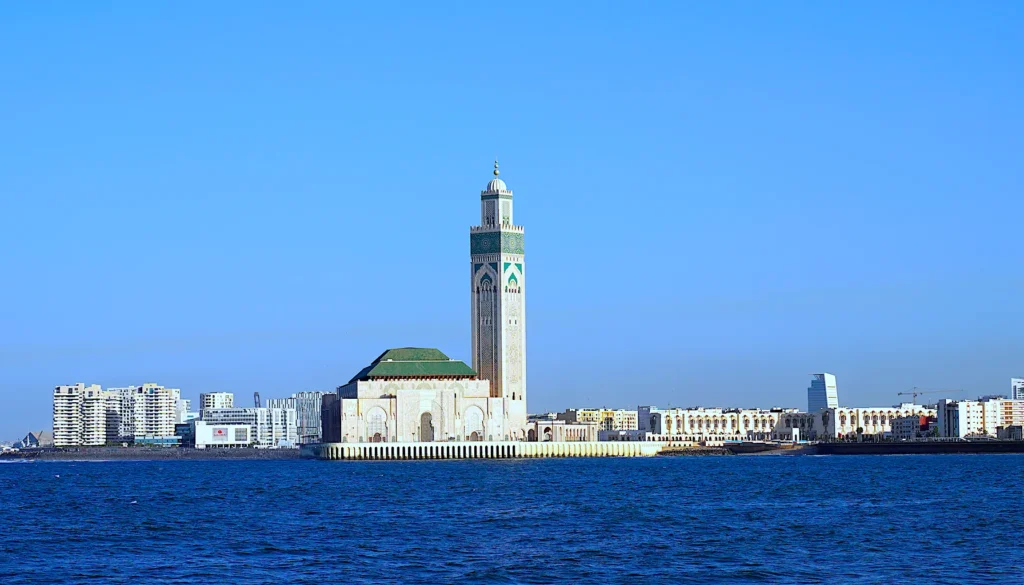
[(256, 398), (915, 392)]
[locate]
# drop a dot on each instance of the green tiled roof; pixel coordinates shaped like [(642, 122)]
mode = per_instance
[(414, 362)]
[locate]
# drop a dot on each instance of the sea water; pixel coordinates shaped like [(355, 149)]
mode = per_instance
[(745, 519)]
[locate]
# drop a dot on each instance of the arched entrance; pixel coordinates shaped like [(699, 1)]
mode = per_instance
[(426, 427), (532, 436), (476, 436), (547, 434), (376, 438)]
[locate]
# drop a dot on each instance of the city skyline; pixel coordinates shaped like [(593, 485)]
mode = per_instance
[(743, 222)]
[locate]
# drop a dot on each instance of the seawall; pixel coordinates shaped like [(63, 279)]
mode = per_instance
[(481, 450), (920, 447)]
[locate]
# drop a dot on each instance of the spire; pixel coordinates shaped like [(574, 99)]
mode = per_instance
[(496, 173)]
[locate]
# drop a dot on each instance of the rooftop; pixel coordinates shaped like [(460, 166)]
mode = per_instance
[(414, 363)]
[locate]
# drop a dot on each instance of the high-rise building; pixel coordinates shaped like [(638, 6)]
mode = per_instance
[(307, 413), (85, 416), (148, 413), (216, 400), (498, 299), (1017, 388), (822, 393)]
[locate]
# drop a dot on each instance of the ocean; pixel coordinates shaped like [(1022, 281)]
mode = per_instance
[(747, 519)]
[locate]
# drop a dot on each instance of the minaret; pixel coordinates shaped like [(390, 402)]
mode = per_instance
[(497, 291)]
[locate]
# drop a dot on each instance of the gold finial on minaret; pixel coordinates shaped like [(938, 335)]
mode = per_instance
[(496, 173)]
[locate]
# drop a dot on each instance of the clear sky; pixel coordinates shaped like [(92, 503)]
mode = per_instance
[(719, 198)]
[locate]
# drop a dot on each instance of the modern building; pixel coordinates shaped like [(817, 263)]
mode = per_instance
[(85, 416), (978, 418), (183, 413), (498, 303), (36, 440), (822, 393), (416, 394), (216, 400), (205, 435), (148, 413), (1017, 388), (606, 419), (269, 428), (307, 411)]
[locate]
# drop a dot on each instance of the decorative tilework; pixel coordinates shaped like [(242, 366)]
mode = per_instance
[(496, 243)]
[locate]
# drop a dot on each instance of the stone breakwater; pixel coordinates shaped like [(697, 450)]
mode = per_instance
[(148, 454), (693, 451), (481, 450)]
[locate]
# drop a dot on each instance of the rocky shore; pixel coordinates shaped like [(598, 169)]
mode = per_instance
[(692, 451), (147, 454)]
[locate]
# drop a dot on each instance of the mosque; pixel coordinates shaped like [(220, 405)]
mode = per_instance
[(420, 394)]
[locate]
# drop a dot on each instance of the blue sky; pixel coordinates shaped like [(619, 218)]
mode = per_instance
[(719, 198)]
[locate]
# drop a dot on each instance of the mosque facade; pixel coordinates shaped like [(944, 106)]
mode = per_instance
[(420, 394)]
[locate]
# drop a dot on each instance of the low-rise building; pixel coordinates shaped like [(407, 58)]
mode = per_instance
[(715, 425), (906, 428), (978, 418), (205, 435), (605, 418), (1011, 433), (270, 428), (550, 428)]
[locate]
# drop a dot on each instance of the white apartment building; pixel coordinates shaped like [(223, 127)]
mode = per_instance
[(148, 412), (307, 413), (1017, 388), (85, 416), (216, 400), (606, 419), (978, 418), (269, 427)]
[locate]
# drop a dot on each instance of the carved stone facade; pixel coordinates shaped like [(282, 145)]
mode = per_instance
[(498, 303)]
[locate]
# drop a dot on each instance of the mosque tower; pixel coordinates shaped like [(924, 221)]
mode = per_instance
[(498, 289)]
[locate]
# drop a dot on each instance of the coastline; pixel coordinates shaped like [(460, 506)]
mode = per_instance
[(149, 454)]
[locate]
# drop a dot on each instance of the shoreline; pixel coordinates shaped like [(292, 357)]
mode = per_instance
[(152, 454)]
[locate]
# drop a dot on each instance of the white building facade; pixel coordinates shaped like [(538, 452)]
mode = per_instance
[(209, 435), (498, 301), (216, 400), (269, 428), (712, 425), (606, 419), (148, 413), (978, 418), (1017, 388), (414, 394), (85, 416)]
